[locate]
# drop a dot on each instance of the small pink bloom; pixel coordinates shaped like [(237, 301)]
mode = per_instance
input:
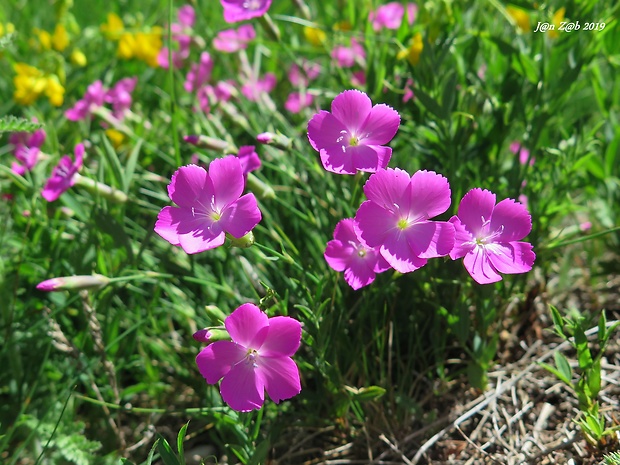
[(301, 77), (524, 154), (585, 226), (249, 159), (63, 175), (408, 91), (387, 16), (255, 86), (349, 253), (396, 217), (27, 150), (120, 96), (202, 335), (233, 40), (296, 102), (93, 99), (352, 136), (346, 57), (210, 205), (199, 73), (488, 235), (257, 359), (241, 10), (186, 16)]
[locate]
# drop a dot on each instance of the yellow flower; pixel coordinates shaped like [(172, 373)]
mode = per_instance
[(113, 28), (521, 18), (8, 29), (412, 54), (126, 46), (148, 46), (557, 19), (78, 58), (60, 39), (45, 38), (315, 35), (116, 137), (30, 83)]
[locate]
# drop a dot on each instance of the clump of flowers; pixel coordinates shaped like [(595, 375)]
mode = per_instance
[(242, 10), (413, 52), (488, 236), (27, 148), (390, 15), (258, 359), (141, 45), (346, 57), (119, 96), (181, 34), (210, 206), (233, 40), (353, 135), (63, 175), (31, 83)]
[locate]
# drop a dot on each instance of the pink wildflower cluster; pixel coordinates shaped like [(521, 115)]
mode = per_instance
[(390, 15), (300, 77), (182, 36), (233, 40), (119, 96), (394, 227), (63, 175), (27, 149)]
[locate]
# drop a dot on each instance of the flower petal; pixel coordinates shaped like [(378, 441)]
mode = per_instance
[(431, 239), (338, 254), (228, 182), (240, 217), (283, 337), (216, 360), (480, 268), (429, 195), (187, 185), (335, 159), (369, 158), (386, 187), (281, 377), (247, 326), (475, 209), (514, 220), (463, 240), (165, 227), (242, 388), (381, 125), (512, 258), (360, 273), (351, 108), (324, 130), (397, 252), (374, 223)]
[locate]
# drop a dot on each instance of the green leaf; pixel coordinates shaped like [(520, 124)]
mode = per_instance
[(449, 94), (430, 104), (594, 378), (564, 369), (558, 321), (165, 452), (584, 357), (6, 40), (130, 166), (365, 393), (260, 453), (180, 438), (13, 124), (555, 371), (109, 154)]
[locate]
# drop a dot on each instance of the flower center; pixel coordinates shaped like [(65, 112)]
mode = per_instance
[(250, 357), (402, 224), (353, 141), (251, 4)]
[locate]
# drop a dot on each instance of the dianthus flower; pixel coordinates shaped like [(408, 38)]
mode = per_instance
[(254, 86), (257, 359), (349, 253), (387, 16), (488, 235), (248, 158), (396, 216), (210, 205), (296, 101), (524, 154), (199, 73), (241, 10), (27, 150), (181, 34), (353, 135), (120, 96), (233, 40), (63, 175), (93, 99), (300, 76), (346, 57)]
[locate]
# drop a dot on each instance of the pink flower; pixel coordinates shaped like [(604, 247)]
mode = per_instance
[(487, 236), (93, 99), (296, 101), (181, 34), (120, 96), (300, 77), (524, 154), (353, 135), (233, 40), (348, 56), (349, 253), (396, 217), (210, 205), (63, 175), (390, 15), (255, 86), (199, 73), (249, 159), (257, 359), (27, 150), (408, 91), (241, 10)]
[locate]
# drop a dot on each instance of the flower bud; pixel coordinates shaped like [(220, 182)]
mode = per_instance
[(242, 242), (101, 189), (74, 283), (215, 314), (259, 188), (208, 335), (277, 140), (207, 142)]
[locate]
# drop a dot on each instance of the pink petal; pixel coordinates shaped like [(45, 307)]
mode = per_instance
[(345, 231), (387, 187), (240, 217), (247, 326), (227, 177), (165, 228), (430, 194), (242, 388), (480, 268), (216, 360), (283, 337), (281, 377), (380, 126), (187, 185), (359, 273), (511, 258), (351, 108), (193, 233), (475, 209), (336, 160), (337, 255), (431, 239), (374, 223), (463, 240), (324, 130), (398, 253), (186, 15), (514, 218), (364, 158)]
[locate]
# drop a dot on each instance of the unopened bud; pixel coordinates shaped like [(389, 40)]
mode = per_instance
[(73, 283), (241, 242), (259, 188), (208, 142), (215, 314), (277, 140), (208, 335), (101, 189)]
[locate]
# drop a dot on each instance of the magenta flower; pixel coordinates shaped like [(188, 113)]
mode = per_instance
[(199, 73), (524, 154), (248, 158), (181, 34), (233, 40), (63, 175), (209, 206), (255, 86), (301, 76), (296, 101), (390, 15), (346, 57), (353, 135), (396, 217), (27, 150), (349, 253), (93, 99), (487, 236), (241, 10), (120, 96), (257, 359)]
